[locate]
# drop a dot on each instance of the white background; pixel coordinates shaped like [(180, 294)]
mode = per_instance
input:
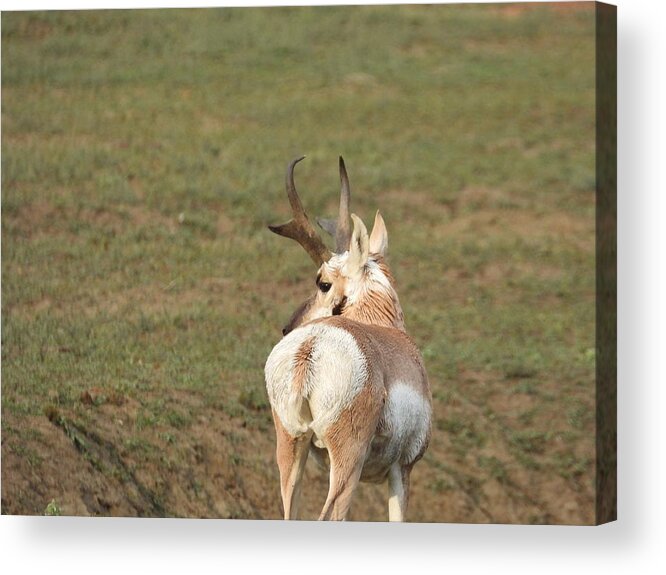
[(633, 544)]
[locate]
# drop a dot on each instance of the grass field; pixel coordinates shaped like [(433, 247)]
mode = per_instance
[(143, 154)]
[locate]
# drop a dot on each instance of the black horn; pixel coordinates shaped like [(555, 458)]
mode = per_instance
[(299, 227)]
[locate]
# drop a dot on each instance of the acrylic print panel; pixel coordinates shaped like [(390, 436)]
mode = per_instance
[(144, 155)]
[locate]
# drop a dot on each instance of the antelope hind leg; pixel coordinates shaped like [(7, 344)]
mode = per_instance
[(398, 485), (292, 454), (345, 473), (348, 441)]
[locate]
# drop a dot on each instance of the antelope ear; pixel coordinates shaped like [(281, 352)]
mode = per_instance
[(379, 236), (358, 247), (329, 226)]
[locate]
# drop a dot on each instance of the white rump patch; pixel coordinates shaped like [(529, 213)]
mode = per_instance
[(337, 373)]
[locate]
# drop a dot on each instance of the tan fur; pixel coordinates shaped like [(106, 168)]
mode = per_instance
[(291, 454), (301, 364), (347, 442), (383, 266), (384, 428), (385, 348), (377, 308), (375, 322), (378, 305)]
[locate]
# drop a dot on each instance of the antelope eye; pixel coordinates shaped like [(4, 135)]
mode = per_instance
[(324, 286)]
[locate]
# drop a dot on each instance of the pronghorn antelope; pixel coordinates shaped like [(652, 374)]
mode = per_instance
[(346, 383)]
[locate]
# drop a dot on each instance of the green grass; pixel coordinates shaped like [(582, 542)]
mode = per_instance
[(143, 154), (52, 509)]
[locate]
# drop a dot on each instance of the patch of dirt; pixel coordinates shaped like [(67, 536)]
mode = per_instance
[(476, 198), (225, 225), (34, 28), (56, 469), (104, 463), (144, 299), (499, 412), (520, 223), (105, 466), (414, 203), (44, 219), (513, 11)]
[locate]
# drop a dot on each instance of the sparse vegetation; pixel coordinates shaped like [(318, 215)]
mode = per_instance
[(52, 509), (142, 157)]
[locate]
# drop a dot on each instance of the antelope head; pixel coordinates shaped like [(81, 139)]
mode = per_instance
[(354, 281)]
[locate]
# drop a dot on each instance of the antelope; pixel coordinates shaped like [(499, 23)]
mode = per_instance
[(346, 383)]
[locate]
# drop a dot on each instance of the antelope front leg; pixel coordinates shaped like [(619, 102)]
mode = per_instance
[(398, 484), (292, 454)]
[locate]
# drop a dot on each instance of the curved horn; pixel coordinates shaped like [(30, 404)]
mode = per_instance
[(299, 227), (343, 230)]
